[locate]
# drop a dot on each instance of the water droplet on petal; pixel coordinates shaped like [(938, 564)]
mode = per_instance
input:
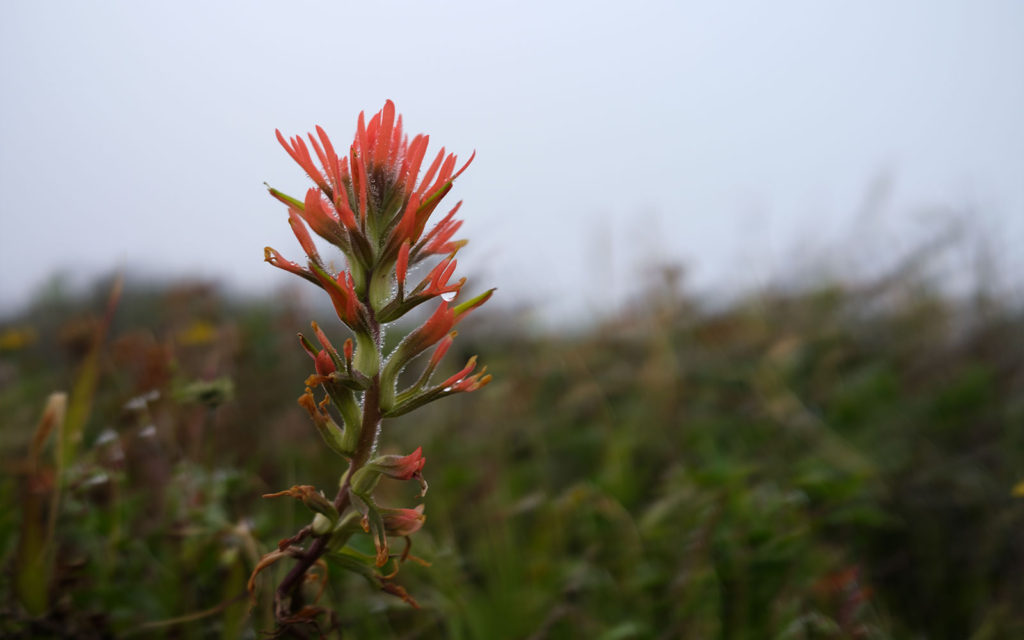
[(448, 296)]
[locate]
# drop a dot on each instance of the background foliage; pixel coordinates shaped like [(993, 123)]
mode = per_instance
[(834, 462)]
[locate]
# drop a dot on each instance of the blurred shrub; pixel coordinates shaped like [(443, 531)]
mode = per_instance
[(832, 463)]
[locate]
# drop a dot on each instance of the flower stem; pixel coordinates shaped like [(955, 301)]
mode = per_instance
[(289, 589)]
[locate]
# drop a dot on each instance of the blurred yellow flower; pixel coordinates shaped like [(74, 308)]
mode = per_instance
[(17, 338), (199, 332)]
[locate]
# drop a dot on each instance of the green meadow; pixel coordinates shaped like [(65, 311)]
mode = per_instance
[(835, 461)]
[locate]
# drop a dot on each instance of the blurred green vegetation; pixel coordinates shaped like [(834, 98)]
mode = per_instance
[(837, 462)]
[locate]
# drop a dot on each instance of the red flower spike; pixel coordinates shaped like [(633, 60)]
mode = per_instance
[(379, 148), (373, 204)]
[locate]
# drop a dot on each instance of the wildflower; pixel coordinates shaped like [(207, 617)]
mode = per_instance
[(374, 205)]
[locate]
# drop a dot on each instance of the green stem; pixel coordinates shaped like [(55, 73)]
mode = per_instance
[(290, 587)]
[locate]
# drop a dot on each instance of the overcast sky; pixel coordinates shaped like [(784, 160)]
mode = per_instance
[(746, 140)]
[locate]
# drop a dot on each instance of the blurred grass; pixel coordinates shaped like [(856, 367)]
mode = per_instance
[(837, 462)]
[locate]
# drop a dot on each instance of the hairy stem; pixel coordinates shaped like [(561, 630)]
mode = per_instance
[(289, 590)]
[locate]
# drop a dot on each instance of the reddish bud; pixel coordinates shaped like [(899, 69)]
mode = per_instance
[(324, 364), (402, 467), (402, 522)]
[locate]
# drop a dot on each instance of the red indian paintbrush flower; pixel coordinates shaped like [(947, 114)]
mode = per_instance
[(374, 205)]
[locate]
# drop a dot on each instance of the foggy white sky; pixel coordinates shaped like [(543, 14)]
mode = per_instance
[(739, 138)]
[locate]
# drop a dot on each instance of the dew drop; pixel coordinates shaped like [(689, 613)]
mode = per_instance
[(448, 296)]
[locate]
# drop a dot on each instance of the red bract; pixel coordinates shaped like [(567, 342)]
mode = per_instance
[(324, 364), (442, 348), (342, 292), (302, 235), (402, 264), (276, 259), (439, 277), (443, 320), (378, 181), (462, 381), (439, 240), (374, 205)]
